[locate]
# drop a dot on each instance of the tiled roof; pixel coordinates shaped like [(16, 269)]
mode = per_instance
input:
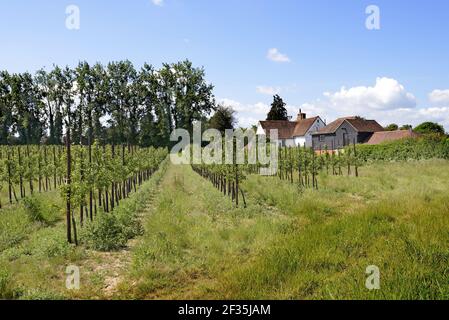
[(359, 124), (288, 129), (384, 136), (285, 128), (362, 125), (302, 126)]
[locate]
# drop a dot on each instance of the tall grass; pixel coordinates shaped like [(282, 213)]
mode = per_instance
[(192, 234), (18, 222), (36, 253), (299, 244), (395, 217)]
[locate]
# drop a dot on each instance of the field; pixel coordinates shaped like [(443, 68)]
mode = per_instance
[(289, 243)]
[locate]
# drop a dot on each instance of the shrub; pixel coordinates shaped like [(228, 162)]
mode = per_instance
[(131, 225), (14, 228), (49, 243), (111, 231), (425, 147), (106, 233), (33, 209)]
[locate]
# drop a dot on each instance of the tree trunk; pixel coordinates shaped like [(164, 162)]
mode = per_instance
[(69, 182)]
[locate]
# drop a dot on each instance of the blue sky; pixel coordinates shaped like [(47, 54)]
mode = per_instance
[(323, 58)]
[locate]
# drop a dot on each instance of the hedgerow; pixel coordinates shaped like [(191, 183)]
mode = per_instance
[(425, 147)]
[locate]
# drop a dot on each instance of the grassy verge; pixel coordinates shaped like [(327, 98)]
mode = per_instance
[(192, 236), (288, 244), (394, 217), (35, 256), (19, 221), (292, 244)]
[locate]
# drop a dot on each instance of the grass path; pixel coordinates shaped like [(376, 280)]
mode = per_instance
[(193, 236), (297, 245)]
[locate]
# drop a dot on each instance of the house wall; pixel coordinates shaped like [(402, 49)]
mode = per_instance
[(260, 130), (299, 141), (286, 142), (335, 140), (307, 138)]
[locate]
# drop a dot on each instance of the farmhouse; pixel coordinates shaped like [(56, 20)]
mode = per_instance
[(292, 133), (345, 131)]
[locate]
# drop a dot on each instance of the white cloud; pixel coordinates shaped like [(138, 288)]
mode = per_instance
[(274, 55), (387, 102), (268, 90), (247, 114), (386, 94), (159, 3), (439, 97)]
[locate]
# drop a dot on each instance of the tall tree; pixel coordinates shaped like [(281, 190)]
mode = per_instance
[(100, 101), (27, 109), (63, 80), (429, 127), (392, 127), (115, 104), (224, 118), (406, 127), (149, 133), (121, 75), (185, 94), (193, 96), (46, 84), (278, 110), (6, 118)]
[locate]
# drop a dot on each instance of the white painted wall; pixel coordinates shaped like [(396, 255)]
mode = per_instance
[(260, 130), (300, 140), (307, 138), (286, 142)]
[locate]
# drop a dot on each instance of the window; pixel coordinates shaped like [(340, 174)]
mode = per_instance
[(322, 137)]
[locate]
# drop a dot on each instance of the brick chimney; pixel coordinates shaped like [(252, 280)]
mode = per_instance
[(301, 116)]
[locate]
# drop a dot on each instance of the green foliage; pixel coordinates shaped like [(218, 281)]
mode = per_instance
[(49, 243), (14, 227), (224, 118), (41, 295), (7, 289), (278, 110), (106, 233), (429, 128), (392, 127), (143, 106), (111, 231), (406, 127), (426, 147), (33, 209)]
